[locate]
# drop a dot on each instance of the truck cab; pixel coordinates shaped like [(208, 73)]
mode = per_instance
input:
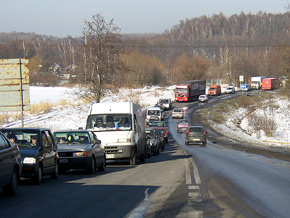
[(214, 90), (154, 112), (121, 129)]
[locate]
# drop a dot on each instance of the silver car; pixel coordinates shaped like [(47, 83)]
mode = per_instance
[(79, 149), (178, 113), (196, 134)]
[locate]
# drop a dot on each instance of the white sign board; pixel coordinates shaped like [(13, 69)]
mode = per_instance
[(241, 78), (14, 85)]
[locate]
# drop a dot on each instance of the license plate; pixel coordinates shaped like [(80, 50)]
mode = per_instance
[(63, 160), (109, 155)]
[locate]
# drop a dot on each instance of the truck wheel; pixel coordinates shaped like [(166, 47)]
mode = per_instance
[(133, 159)]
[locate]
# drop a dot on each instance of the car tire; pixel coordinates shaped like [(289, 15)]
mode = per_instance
[(186, 142), (38, 176), (92, 167), (142, 158), (103, 166), (155, 152), (11, 188), (54, 175)]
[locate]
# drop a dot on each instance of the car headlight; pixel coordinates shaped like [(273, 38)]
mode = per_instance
[(122, 140), (80, 154), (29, 160), (151, 143)]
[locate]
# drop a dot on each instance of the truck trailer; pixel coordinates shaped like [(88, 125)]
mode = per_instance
[(270, 83), (189, 90)]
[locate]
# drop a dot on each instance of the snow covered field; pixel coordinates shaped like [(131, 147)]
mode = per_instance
[(73, 115)]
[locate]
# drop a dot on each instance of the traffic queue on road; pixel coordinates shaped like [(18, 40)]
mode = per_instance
[(114, 131)]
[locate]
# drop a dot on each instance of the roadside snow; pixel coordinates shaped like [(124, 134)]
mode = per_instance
[(74, 116)]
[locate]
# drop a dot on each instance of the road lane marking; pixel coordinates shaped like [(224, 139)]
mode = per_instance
[(141, 210), (187, 173), (196, 175), (194, 187)]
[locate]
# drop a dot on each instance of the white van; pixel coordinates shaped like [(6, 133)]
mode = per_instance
[(121, 129), (154, 111)]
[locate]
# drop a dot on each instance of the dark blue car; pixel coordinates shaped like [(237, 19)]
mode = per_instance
[(38, 152), (10, 165)]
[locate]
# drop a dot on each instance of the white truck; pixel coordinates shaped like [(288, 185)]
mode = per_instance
[(154, 111), (121, 129), (256, 82)]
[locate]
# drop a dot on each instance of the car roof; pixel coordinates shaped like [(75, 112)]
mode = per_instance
[(24, 128), (196, 126), (178, 108), (74, 130)]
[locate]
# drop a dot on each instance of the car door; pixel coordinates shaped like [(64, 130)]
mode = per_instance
[(6, 160), (48, 152), (96, 148)]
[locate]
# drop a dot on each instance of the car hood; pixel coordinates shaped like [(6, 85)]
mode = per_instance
[(29, 152), (77, 147), (183, 125)]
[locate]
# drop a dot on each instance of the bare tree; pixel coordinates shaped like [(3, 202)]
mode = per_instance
[(67, 51), (101, 47), (24, 49)]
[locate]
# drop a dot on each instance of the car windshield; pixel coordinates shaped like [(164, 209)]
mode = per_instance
[(195, 129), (164, 101), (23, 138), (158, 123), (181, 92), (177, 110), (153, 112), (184, 122), (72, 137), (109, 122)]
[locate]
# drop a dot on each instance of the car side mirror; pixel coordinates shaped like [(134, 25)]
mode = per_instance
[(98, 141)]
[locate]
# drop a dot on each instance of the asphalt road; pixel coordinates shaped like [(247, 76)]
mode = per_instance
[(120, 191), (183, 181), (236, 183)]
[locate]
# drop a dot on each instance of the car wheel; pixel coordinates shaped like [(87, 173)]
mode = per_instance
[(142, 158), (155, 151), (186, 142), (92, 167), (11, 188), (103, 166), (54, 175), (38, 176)]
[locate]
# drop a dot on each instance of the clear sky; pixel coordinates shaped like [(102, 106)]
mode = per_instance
[(66, 17)]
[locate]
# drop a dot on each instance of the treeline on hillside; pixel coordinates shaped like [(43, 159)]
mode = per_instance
[(217, 48)]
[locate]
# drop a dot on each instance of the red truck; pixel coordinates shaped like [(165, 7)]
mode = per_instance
[(189, 90), (270, 83)]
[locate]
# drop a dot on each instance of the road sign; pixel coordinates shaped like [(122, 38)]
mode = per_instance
[(14, 85), (243, 86)]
